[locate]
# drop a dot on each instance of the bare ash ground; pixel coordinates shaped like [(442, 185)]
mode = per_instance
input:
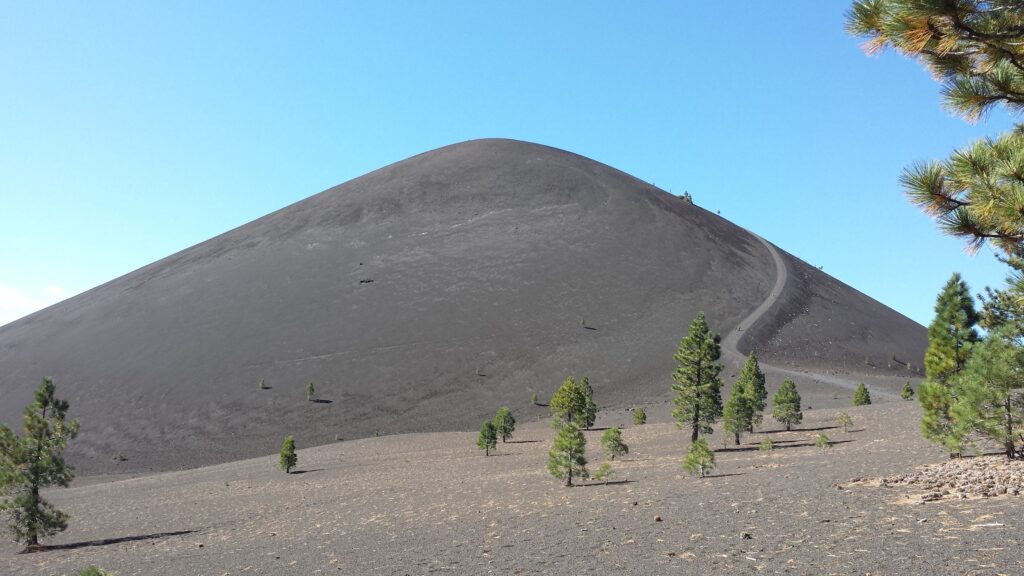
[(433, 504)]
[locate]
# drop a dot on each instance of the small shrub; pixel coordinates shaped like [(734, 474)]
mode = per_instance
[(699, 459), (604, 473), (93, 571), (310, 392), (907, 392), (118, 457), (844, 420), (533, 398), (263, 384), (822, 441), (861, 397), (639, 416), (766, 445)]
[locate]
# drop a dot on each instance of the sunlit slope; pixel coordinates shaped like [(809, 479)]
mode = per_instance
[(417, 297)]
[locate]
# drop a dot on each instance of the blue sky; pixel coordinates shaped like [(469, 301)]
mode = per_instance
[(129, 131)]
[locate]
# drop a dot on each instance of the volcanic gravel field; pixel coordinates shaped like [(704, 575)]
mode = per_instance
[(434, 504)]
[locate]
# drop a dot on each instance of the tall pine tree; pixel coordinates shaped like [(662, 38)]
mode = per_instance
[(697, 385), (951, 336), (589, 406), (35, 461), (752, 380)]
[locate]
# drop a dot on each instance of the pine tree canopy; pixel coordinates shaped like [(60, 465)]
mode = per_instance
[(975, 48), (34, 461), (571, 403), (952, 332), (751, 380), (504, 423), (697, 385)]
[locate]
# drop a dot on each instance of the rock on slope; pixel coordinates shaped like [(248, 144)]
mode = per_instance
[(419, 297)]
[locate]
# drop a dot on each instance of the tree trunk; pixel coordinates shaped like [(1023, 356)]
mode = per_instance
[(696, 422), (487, 450), (737, 438), (568, 476), (1008, 443), (788, 426)]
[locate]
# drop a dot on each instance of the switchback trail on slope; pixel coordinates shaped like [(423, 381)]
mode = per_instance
[(730, 342)]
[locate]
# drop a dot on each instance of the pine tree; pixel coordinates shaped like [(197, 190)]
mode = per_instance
[(988, 399), (569, 404), (310, 391), (288, 458), (907, 393), (639, 416), (488, 438), (786, 405), (504, 423), (975, 48), (590, 408), (567, 456), (951, 337), (697, 385), (699, 459), (861, 396), (752, 380), (612, 444), (35, 461), (738, 415)]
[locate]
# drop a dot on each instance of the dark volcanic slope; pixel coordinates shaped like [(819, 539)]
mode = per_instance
[(420, 297)]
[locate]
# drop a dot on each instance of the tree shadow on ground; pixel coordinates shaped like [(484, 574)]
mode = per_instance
[(776, 445), (595, 429), (307, 471), (819, 429), (609, 483), (103, 542), (521, 442), (321, 401), (706, 476)]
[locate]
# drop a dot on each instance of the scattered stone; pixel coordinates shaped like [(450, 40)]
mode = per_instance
[(745, 536), (657, 518)]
